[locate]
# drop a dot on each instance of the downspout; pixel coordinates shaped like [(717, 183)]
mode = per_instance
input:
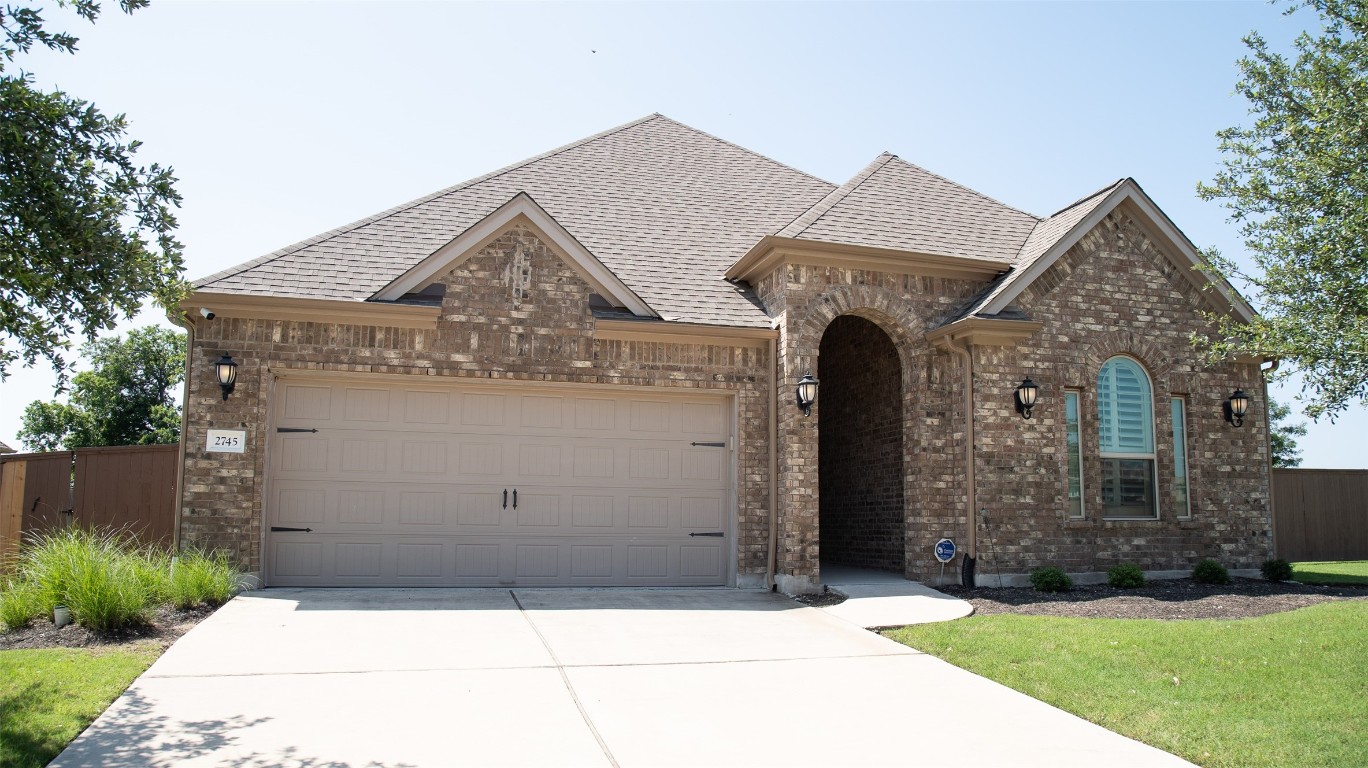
[(185, 322), (966, 353), (1268, 445), (772, 552)]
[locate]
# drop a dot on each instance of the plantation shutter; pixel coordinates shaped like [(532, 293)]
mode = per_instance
[(1125, 408)]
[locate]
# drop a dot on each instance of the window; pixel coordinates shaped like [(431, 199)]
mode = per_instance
[(1074, 448), (1125, 427), (1180, 481)]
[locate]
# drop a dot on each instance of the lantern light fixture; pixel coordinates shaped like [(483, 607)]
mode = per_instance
[(1025, 396), (226, 369), (1235, 407), (807, 393)]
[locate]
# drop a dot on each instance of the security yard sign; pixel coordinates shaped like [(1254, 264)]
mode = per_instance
[(945, 550)]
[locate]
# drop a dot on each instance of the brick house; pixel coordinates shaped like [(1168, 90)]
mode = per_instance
[(581, 370)]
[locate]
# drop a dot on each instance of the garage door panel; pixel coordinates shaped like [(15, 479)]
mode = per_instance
[(301, 559), (414, 485)]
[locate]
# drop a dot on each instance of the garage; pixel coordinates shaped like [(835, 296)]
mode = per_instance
[(376, 481)]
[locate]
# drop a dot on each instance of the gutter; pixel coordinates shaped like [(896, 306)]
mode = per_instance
[(771, 553)]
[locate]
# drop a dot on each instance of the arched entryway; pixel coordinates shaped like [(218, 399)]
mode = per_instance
[(860, 447)]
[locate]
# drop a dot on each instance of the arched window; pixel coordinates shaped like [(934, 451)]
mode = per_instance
[(1125, 426)]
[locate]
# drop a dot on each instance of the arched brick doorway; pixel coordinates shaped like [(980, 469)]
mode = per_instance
[(860, 447)]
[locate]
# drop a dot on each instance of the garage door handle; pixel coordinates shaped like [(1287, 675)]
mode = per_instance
[(505, 505), (709, 445), (296, 429), (515, 498), (282, 529), (718, 534)]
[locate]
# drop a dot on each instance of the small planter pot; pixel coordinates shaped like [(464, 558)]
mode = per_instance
[(61, 616)]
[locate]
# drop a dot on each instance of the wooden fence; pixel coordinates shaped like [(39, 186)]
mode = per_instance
[(131, 487), (1320, 514)]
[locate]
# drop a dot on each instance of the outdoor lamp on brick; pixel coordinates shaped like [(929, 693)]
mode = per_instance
[(1026, 394), (807, 393), (1235, 407), (226, 369)]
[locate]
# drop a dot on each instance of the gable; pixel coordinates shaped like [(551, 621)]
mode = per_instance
[(521, 210), (1125, 195)]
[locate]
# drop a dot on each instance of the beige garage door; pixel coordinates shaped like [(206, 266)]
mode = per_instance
[(376, 483)]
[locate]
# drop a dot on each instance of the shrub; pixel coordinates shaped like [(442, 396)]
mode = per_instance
[(18, 604), (1126, 576), (1210, 572), (197, 578), (1276, 570), (1051, 580)]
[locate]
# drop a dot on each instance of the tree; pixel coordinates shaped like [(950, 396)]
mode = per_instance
[(1283, 436), (85, 233), (1296, 180), (127, 399)]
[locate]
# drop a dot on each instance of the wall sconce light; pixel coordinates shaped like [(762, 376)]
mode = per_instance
[(807, 393), (1026, 394), (227, 374), (1235, 407)]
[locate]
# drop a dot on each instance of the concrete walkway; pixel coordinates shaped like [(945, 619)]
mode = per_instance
[(724, 677), (877, 599)]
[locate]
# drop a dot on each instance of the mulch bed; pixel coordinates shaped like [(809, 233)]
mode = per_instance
[(164, 628), (1168, 599)]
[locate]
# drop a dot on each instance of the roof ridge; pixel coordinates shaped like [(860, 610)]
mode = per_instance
[(1088, 197), (833, 198), (970, 190), (316, 239), (743, 149)]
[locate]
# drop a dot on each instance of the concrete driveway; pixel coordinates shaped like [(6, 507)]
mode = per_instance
[(293, 677)]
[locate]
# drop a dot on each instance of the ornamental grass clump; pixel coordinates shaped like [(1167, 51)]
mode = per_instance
[(1276, 570), (198, 578), (1051, 580), (1210, 572), (107, 580), (18, 603), (1126, 576)]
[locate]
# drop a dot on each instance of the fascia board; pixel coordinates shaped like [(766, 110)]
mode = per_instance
[(594, 272), (984, 331), (1151, 215), (773, 251), (255, 307)]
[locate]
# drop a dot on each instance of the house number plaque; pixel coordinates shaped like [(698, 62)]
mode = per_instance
[(227, 441)]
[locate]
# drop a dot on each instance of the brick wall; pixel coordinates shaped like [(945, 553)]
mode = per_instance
[(1114, 293), (861, 447), (512, 311)]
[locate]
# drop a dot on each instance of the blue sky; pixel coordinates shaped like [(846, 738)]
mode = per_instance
[(283, 120)]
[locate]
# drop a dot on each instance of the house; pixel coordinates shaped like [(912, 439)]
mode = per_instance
[(582, 369)]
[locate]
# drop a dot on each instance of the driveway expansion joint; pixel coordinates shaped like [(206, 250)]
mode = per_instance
[(569, 687)]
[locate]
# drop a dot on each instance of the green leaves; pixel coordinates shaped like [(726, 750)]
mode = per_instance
[(1296, 180), (126, 399), (86, 234)]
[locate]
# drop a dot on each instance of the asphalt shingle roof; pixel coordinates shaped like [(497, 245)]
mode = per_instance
[(1042, 238), (894, 204), (668, 209)]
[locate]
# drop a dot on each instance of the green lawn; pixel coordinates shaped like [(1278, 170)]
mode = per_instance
[(1288, 689), (47, 697), (1341, 572)]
